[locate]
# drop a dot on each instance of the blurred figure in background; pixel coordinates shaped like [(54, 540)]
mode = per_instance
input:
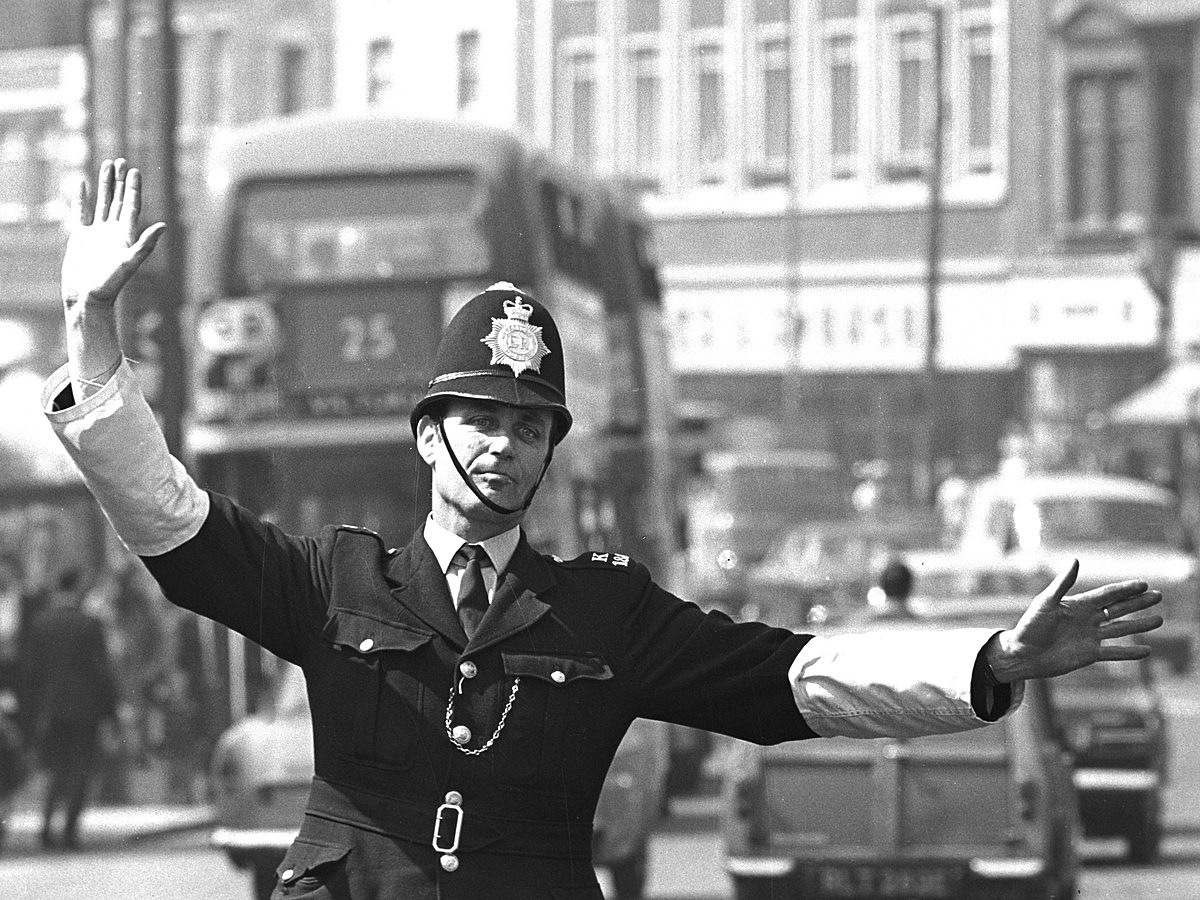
[(888, 601), (74, 693)]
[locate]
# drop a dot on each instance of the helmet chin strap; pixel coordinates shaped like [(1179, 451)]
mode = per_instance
[(490, 504)]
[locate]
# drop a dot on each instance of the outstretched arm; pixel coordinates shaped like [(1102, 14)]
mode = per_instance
[(1060, 633), (103, 251)]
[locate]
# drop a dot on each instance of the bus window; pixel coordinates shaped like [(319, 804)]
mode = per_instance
[(345, 229), (572, 233)]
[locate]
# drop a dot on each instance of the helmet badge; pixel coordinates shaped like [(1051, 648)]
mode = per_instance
[(514, 341)]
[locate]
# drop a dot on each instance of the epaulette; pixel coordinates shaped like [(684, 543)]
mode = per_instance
[(358, 529), (594, 559)]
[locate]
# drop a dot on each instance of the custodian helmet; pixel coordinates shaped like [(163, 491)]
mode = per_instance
[(503, 346)]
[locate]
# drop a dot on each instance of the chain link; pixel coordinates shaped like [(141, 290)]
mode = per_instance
[(495, 734)]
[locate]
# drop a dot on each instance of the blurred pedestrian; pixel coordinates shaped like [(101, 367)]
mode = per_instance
[(469, 692), (888, 600), (74, 694), (14, 759)]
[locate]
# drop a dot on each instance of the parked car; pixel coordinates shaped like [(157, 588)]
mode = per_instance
[(262, 767), (981, 814), (1118, 528), (1113, 720)]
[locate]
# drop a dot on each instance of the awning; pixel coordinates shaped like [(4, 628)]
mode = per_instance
[(1171, 399)]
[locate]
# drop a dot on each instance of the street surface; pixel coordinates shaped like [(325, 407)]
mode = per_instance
[(685, 859)]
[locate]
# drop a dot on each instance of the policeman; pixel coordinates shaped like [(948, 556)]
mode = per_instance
[(468, 693)]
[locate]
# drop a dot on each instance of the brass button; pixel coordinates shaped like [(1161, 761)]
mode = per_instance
[(454, 798), (557, 677), (449, 862), (461, 735), (468, 669), (288, 874), (366, 645)]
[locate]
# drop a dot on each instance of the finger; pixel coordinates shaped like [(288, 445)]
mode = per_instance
[(1109, 595), (119, 172), (1057, 589), (132, 205), (79, 204), (1134, 604), (1126, 627), (1123, 651), (104, 190)]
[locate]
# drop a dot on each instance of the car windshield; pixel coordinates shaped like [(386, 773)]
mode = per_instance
[(1067, 520)]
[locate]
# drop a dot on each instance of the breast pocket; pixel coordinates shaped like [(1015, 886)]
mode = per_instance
[(376, 697), (561, 701)]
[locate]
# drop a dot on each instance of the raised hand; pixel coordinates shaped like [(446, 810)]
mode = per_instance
[(104, 248), (1060, 633)]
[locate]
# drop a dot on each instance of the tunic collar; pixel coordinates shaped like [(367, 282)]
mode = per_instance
[(445, 543)]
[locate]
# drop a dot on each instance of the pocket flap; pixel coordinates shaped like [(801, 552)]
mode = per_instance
[(362, 634), (303, 857), (558, 669)]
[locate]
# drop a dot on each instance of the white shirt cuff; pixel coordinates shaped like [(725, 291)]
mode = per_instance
[(114, 439)]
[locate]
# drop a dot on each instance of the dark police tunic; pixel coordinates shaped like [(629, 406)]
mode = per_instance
[(567, 656)]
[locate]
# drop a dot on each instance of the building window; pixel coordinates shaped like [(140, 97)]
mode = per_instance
[(709, 111), (293, 79), (468, 69), (1103, 122), (579, 115), (379, 72), (980, 88), (643, 15), (645, 125), (219, 80), (907, 94), (707, 13), (842, 68), (773, 109)]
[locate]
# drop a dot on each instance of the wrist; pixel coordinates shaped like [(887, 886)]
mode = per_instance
[(1000, 663)]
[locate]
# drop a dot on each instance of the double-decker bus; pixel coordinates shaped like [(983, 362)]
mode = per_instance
[(333, 252)]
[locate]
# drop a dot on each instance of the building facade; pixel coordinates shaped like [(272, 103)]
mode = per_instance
[(784, 151)]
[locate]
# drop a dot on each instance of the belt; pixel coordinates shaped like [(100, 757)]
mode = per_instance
[(476, 831)]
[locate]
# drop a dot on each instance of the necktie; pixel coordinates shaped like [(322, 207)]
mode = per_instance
[(472, 592)]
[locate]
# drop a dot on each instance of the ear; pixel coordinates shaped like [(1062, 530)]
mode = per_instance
[(428, 439)]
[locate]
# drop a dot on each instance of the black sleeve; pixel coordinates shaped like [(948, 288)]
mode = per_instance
[(990, 698), (250, 576), (703, 669)]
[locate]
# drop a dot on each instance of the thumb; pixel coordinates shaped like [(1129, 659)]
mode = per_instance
[(145, 244), (1063, 582)]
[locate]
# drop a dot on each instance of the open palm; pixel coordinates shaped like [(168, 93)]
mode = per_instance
[(104, 248), (1059, 633)]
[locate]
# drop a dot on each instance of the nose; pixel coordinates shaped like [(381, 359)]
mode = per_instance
[(500, 441)]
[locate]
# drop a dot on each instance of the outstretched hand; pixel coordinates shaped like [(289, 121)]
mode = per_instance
[(104, 248), (1060, 633)]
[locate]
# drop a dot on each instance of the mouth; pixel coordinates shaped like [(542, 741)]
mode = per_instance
[(494, 480)]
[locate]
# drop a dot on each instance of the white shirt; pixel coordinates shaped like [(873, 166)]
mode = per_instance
[(445, 545)]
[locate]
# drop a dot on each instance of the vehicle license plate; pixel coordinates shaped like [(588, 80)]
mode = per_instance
[(895, 881)]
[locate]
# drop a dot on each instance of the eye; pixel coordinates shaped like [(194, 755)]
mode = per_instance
[(480, 422), (529, 433)]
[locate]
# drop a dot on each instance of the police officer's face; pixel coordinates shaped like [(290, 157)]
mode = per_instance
[(502, 448)]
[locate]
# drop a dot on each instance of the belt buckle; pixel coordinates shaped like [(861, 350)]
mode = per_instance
[(438, 821)]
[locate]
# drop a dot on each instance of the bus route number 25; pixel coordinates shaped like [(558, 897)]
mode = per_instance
[(367, 338)]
